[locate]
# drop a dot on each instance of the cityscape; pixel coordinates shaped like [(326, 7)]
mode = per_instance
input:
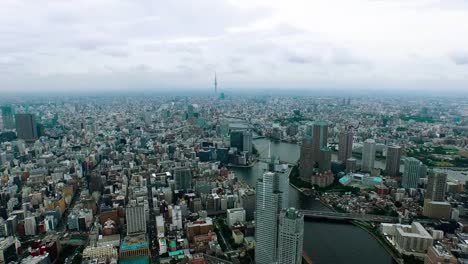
[(234, 132), (221, 179)]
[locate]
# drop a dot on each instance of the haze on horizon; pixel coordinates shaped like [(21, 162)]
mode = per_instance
[(122, 45)]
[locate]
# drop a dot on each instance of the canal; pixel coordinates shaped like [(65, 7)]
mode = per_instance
[(325, 243)]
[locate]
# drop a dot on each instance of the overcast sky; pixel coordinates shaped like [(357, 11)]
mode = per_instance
[(67, 45)]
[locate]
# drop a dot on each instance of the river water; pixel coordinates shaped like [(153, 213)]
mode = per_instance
[(325, 243)]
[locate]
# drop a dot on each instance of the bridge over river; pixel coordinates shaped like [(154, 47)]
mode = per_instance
[(349, 216)]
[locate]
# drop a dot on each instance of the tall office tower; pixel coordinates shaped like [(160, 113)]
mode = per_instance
[(26, 127), (183, 178), (392, 166), (412, 172), (242, 140), (7, 117), (247, 201), (315, 155), (247, 141), (136, 220), (268, 205), (345, 146), (436, 185), (368, 155), (290, 236)]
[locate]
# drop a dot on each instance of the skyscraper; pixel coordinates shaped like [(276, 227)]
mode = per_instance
[(290, 236), (368, 155), (268, 206), (345, 145), (183, 178), (315, 155), (411, 175), (242, 140), (26, 127), (392, 166), (436, 184), (7, 117), (247, 201), (247, 141), (136, 220)]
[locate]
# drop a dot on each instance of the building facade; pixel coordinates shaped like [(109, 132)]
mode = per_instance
[(345, 146), (436, 185), (368, 155), (315, 155), (268, 206), (412, 173), (290, 236), (26, 127), (136, 220), (392, 165)]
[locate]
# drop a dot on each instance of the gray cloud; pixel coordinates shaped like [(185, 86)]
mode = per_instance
[(181, 43), (460, 58)]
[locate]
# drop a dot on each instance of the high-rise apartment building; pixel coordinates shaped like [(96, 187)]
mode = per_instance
[(345, 145), (290, 236), (392, 166), (412, 173), (368, 155), (26, 127), (136, 220), (268, 206), (315, 155), (436, 185)]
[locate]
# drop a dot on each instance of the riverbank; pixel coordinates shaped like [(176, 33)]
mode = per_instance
[(381, 240)]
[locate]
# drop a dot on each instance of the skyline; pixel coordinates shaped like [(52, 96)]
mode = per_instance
[(302, 45)]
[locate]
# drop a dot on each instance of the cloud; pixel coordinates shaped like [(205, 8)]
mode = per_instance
[(460, 58), (257, 43)]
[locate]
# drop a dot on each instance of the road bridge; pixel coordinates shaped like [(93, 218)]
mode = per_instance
[(349, 216)]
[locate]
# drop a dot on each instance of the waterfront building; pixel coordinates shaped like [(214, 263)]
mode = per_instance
[(290, 236), (268, 206), (315, 155), (241, 140), (412, 240)]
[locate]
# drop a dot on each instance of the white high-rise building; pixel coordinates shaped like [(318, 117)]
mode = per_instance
[(368, 155), (177, 217), (268, 206), (136, 220), (290, 236), (30, 226), (235, 215)]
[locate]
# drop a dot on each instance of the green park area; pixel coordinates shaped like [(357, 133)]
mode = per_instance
[(439, 156)]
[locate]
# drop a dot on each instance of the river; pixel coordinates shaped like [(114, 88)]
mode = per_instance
[(325, 243)]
